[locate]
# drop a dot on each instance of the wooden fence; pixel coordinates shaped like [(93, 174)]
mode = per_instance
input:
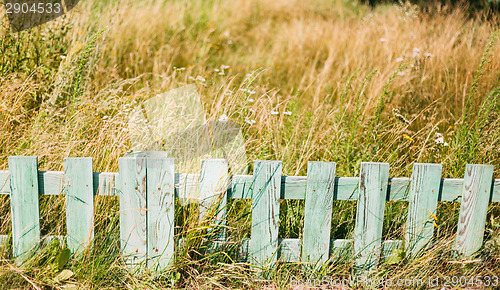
[(147, 186)]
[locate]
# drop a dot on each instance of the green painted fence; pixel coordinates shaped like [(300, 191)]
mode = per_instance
[(147, 187)]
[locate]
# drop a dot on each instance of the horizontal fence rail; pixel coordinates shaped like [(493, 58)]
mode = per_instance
[(148, 186)]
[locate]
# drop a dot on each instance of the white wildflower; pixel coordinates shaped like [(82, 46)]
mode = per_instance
[(274, 112), (63, 57), (223, 118), (383, 40), (416, 52), (217, 70), (248, 121), (250, 100), (224, 66), (248, 91), (399, 59), (440, 139), (287, 113), (200, 78), (427, 54)]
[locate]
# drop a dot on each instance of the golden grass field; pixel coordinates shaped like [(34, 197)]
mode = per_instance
[(350, 84)]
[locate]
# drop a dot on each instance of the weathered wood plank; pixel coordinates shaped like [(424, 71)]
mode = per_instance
[(318, 211), (4, 182), (214, 180), (265, 212), (24, 204), (160, 214), (186, 187), (106, 183), (495, 195), (133, 209), (50, 182), (292, 187), (79, 202), (346, 188), (289, 249), (388, 247), (370, 214), (424, 190), (43, 239), (473, 209), (399, 189), (451, 190)]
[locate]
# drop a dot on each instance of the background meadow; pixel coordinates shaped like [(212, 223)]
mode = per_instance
[(307, 80)]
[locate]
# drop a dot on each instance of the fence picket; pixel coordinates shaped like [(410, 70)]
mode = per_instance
[(423, 196), (79, 202), (160, 214), (24, 204), (133, 209), (318, 211), (370, 214), (265, 211), (473, 209), (147, 186)]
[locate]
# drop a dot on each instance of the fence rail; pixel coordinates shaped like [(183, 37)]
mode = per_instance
[(147, 187)]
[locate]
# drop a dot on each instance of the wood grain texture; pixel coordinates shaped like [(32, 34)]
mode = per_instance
[(4, 182), (289, 249), (160, 214), (133, 209), (473, 209), (79, 202), (24, 204), (106, 183), (214, 180), (424, 190), (318, 211), (370, 214), (186, 185), (292, 187), (265, 212)]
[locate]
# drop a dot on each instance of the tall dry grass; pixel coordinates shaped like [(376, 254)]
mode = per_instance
[(302, 55), (348, 83)]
